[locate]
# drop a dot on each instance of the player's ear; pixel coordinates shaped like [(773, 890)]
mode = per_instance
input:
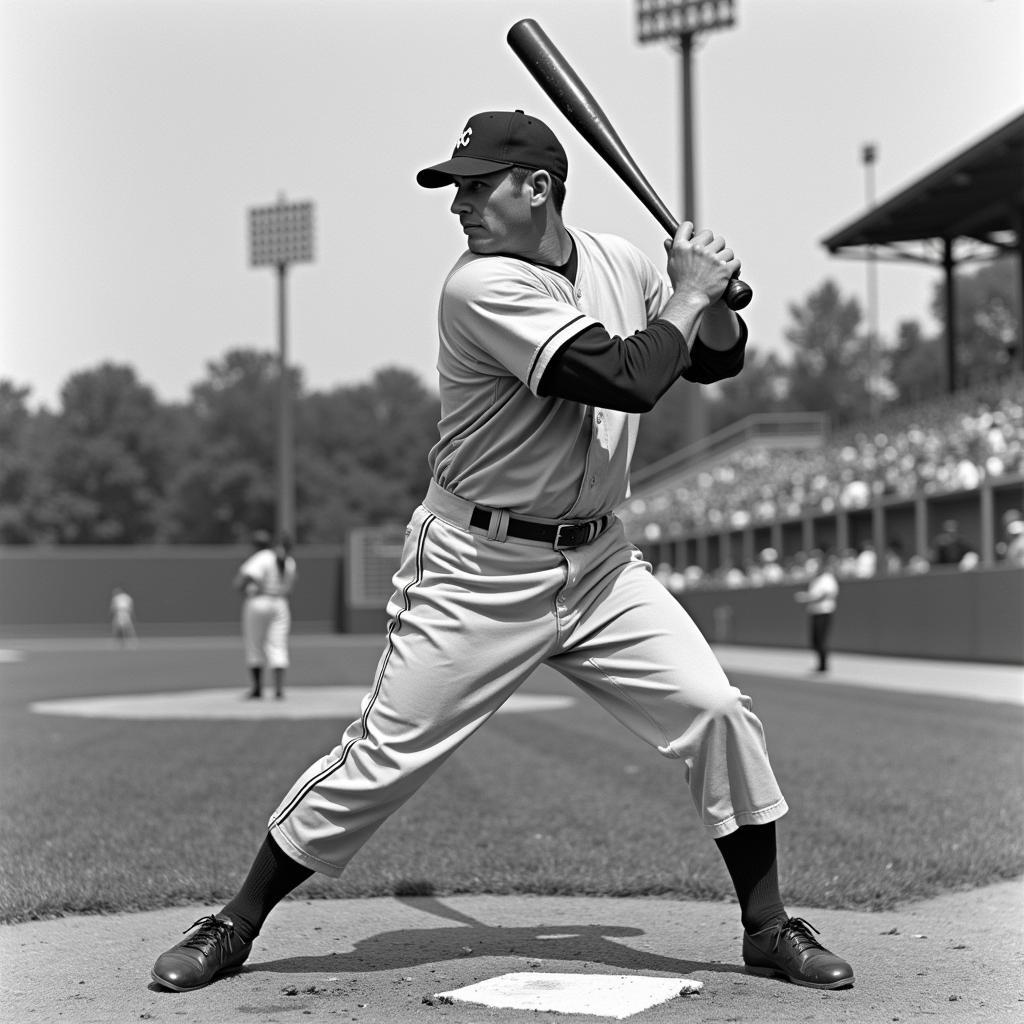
[(540, 184)]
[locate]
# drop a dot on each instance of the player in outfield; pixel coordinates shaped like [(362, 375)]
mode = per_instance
[(552, 341)]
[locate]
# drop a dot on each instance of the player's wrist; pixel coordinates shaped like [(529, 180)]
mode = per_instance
[(684, 308)]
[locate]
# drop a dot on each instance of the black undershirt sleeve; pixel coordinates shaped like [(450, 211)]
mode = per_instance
[(708, 365), (631, 374)]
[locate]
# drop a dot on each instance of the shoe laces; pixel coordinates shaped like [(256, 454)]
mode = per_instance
[(213, 933), (800, 932)]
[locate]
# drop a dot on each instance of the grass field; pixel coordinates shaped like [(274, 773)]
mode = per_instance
[(893, 797)]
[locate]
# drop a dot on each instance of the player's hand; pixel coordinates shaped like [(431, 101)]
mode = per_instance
[(700, 263)]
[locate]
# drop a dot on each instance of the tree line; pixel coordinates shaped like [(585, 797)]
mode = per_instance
[(115, 465)]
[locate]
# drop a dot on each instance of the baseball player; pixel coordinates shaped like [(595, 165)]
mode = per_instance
[(266, 579), (122, 623), (819, 600), (552, 340)]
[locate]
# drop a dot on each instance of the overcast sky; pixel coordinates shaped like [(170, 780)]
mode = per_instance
[(135, 135)]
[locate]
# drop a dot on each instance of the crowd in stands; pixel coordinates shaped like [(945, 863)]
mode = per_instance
[(948, 550), (948, 444)]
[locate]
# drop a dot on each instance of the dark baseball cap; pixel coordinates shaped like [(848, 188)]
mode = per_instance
[(495, 140)]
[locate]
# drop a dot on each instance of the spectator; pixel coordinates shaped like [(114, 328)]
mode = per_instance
[(771, 571), (894, 556), (867, 561), (1015, 543), (951, 442), (950, 548), (676, 582), (1010, 547), (734, 576), (846, 564)]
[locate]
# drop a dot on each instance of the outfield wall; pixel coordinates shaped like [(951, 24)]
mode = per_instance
[(179, 591), (187, 591), (969, 616)]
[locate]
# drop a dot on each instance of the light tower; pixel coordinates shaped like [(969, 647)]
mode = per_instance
[(680, 21), (280, 235)]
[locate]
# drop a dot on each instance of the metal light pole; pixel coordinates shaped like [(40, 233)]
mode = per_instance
[(680, 21), (869, 154), (279, 236)]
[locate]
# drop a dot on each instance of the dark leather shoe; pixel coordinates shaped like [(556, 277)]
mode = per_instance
[(210, 950), (790, 950)]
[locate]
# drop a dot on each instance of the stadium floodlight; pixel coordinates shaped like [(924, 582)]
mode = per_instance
[(679, 21), (280, 235), (670, 19)]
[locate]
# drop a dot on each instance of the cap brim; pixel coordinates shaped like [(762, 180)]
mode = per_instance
[(459, 166)]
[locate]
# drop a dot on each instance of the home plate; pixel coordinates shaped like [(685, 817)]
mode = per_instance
[(607, 995)]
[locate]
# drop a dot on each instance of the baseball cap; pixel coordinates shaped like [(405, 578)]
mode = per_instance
[(495, 140)]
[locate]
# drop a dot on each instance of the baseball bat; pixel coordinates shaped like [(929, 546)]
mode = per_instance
[(564, 87)]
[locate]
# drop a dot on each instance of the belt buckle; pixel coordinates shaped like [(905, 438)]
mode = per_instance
[(573, 541)]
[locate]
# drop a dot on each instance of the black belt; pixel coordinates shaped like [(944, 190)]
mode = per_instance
[(558, 535)]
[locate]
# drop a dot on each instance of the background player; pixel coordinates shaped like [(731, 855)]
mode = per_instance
[(122, 621), (266, 578), (820, 599), (552, 340)]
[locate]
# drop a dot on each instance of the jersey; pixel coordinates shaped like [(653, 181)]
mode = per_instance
[(503, 319), (262, 567), (122, 607), (822, 594)]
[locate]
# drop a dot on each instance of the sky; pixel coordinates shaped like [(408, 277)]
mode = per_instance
[(136, 134)]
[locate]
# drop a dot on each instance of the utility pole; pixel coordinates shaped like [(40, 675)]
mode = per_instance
[(869, 154)]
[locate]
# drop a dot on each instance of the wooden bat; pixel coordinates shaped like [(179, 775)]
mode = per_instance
[(564, 87)]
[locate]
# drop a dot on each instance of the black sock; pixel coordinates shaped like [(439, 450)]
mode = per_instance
[(272, 876), (750, 857), (257, 679)]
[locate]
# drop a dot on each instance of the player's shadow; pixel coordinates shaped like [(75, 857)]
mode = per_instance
[(470, 939)]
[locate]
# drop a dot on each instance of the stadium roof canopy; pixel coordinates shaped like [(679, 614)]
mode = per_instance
[(969, 208)]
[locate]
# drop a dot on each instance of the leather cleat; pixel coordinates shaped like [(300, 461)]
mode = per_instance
[(788, 949), (209, 951)]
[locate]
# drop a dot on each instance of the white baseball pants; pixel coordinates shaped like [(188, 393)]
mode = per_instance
[(471, 618), (266, 624)]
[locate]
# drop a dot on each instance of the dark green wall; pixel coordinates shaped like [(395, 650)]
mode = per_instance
[(974, 616), (177, 590), (970, 616)]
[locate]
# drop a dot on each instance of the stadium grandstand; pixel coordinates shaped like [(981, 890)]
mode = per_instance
[(777, 488), (754, 503)]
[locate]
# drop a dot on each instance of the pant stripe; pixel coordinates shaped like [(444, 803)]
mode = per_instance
[(389, 648)]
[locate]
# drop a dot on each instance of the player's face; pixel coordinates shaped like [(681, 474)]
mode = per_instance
[(495, 216)]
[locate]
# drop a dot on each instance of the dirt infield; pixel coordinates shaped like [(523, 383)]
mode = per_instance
[(381, 961)]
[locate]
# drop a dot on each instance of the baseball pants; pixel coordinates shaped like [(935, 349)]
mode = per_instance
[(266, 623), (472, 616), (821, 623)]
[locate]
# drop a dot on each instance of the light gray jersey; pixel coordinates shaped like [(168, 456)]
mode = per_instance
[(500, 322)]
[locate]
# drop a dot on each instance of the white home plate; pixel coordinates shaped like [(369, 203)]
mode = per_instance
[(299, 702), (606, 995)]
